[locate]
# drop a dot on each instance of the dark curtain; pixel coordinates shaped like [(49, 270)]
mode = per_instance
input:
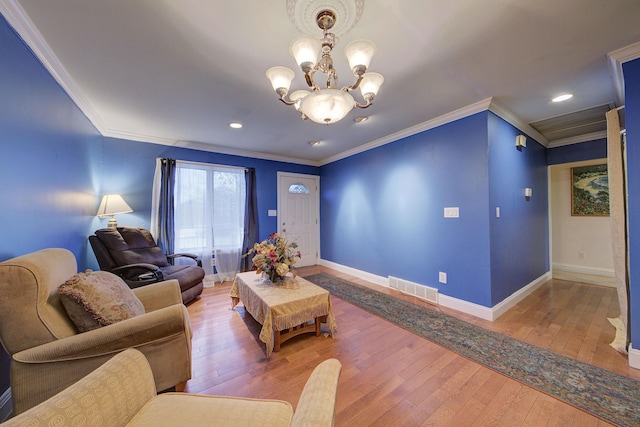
[(250, 217), (165, 206)]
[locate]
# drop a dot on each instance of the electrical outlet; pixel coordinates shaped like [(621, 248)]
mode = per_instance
[(442, 277)]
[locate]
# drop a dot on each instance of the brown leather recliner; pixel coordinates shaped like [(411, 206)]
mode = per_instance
[(132, 253)]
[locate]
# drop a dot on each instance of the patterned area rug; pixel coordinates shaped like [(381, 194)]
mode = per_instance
[(605, 394)]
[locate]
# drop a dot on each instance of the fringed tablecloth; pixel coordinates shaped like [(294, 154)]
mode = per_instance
[(282, 305)]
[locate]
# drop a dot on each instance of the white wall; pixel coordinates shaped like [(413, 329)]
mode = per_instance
[(580, 245)]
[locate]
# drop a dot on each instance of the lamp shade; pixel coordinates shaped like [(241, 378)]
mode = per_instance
[(112, 204), (359, 54), (280, 78), (305, 50), (327, 106), (370, 85)]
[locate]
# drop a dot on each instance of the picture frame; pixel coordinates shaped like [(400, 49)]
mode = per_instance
[(590, 191)]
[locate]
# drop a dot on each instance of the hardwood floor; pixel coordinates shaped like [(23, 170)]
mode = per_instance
[(391, 377)]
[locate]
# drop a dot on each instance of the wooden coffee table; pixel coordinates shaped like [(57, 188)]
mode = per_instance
[(284, 310)]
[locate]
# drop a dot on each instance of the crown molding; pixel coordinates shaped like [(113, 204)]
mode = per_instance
[(505, 114), (615, 59), (203, 146), (194, 145), (577, 139), (429, 124), (22, 24)]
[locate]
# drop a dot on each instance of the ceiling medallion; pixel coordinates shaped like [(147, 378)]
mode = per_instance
[(326, 104), (303, 13)]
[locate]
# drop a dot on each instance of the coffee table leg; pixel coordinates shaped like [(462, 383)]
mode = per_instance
[(319, 321), (276, 341)]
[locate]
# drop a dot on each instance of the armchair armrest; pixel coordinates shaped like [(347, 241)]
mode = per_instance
[(124, 382), (185, 255), (134, 332), (132, 271), (317, 403), (159, 295), (44, 370)]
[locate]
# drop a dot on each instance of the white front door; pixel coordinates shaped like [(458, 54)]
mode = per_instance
[(298, 214)]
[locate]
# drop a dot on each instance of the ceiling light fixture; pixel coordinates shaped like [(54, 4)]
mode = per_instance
[(328, 104), (562, 97), (235, 125), (313, 143)]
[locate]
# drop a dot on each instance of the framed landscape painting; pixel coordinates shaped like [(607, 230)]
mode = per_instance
[(590, 191)]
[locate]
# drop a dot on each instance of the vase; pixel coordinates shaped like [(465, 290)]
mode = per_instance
[(274, 277)]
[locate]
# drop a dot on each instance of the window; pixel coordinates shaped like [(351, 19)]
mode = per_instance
[(209, 209), (298, 189)]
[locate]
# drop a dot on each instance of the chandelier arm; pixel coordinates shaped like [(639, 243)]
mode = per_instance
[(368, 104), (356, 84), (309, 80), (286, 102)]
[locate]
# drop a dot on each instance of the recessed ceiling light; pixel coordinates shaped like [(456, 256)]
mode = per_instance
[(312, 143), (360, 119), (235, 125), (562, 97)]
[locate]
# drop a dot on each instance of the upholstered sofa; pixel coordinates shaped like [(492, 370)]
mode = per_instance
[(47, 351), (121, 393), (132, 253)]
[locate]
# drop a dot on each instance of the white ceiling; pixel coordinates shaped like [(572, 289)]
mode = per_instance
[(177, 72)]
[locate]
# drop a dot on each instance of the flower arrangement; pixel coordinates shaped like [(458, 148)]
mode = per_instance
[(274, 257)]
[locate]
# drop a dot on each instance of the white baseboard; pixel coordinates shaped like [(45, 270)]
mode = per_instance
[(6, 405), (634, 357), (471, 308), (578, 273), (474, 309), (373, 278), (513, 299), (593, 271)]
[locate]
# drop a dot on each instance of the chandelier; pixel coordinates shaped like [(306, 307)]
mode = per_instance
[(326, 104)]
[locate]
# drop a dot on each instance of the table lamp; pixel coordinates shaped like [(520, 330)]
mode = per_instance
[(111, 205)]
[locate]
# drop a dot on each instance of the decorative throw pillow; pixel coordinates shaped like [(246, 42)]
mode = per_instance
[(98, 298)]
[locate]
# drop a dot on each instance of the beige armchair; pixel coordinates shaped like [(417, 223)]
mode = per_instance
[(121, 393), (48, 353)]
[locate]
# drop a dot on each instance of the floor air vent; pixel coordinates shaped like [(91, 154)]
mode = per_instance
[(419, 291)]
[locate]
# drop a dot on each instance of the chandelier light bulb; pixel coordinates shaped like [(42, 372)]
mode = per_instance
[(359, 54), (280, 78), (370, 85), (327, 106), (305, 50)]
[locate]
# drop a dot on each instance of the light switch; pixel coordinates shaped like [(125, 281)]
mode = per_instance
[(452, 212), (273, 212), (497, 211)]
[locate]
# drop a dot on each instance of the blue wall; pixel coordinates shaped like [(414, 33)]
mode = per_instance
[(632, 114), (519, 237), (596, 149), (47, 149), (382, 210)]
